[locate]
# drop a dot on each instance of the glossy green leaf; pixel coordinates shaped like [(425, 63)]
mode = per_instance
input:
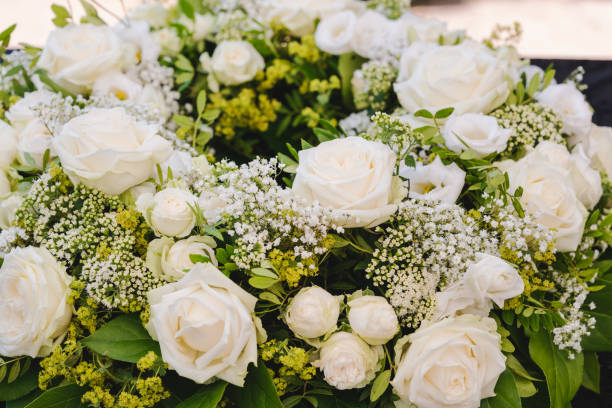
[(65, 396), (380, 385), (207, 397), (20, 387), (590, 377), (506, 393), (258, 390)]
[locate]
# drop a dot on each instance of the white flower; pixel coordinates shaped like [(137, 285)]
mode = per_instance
[(8, 207), (586, 180), (170, 261), (530, 71), (5, 185), (335, 32), (373, 319), (8, 145), (453, 363), (168, 40), (168, 212), (202, 27), (235, 62), (347, 361), (489, 280), (33, 292), (468, 78), (109, 150), (137, 35), (312, 313), (117, 84), (22, 113), (76, 55), (180, 162), (153, 13), (154, 98), (212, 206), (351, 175), (370, 35), (416, 28), (434, 181), (34, 140), (480, 132), (570, 104), (205, 326), (599, 147), (549, 196)]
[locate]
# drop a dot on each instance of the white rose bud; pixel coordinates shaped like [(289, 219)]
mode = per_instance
[(8, 145), (312, 313), (168, 212), (570, 104), (8, 209), (371, 35), (434, 181), (489, 280), (171, 260), (353, 176), (454, 363), (212, 206), (33, 292), (480, 132), (205, 326), (235, 62), (109, 150), (335, 32), (76, 55), (347, 361), (467, 77), (373, 319)]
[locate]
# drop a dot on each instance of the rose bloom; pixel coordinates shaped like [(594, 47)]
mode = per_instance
[(169, 211), (467, 77), (109, 150), (599, 148), (205, 326), (347, 361), (235, 62), (76, 55), (480, 132), (8, 145), (8, 208), (353, 176), (171, 260), (373, 319), (454, 363), (312, 313), (33, 292), (335, 32)]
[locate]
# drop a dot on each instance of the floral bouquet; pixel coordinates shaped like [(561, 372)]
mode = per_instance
[(407, 217)]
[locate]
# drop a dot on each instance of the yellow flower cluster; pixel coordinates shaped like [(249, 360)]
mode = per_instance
[(86, 315), (293, 361), (98, 397), (246, 110), (147, 361), (312, 117), (289, 269), (305, 49), (130, 219), (58, 364), (320, 85), (278, 70), (76, 288)]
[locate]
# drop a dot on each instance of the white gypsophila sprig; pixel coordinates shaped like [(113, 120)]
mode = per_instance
[(9, 237), (356, 123), (426, 246), (10, 64), (161, 78), (372, 85)]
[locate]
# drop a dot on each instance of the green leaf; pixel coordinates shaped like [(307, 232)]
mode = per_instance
[(347, 65), (5, 36), (534, 84), (548, 77), (89, 9), (264, 272), (380, 385), (270, 297), (183, 63), (292, 151), (292, 401), (20, 387), (3, 371), (208, 397), (513, 364), (590, 377), (258, 391), (14, 372), (520, 92), (563, 376), (197, 258), (187, 9), (213, 232), (506, 394), (409, 161), (123, 339), (444, 113), (65, 396), (306, 145), (324, 135), (423, 113), (524, 387), (211, 114), (201, 101), (183, 78), (262, 282), (182, 120)]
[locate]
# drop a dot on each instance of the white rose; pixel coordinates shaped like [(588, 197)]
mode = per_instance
[(170, 261), (489, 280), (453, 363), (586, 180), (369, 38), (570, 104), (201, 27), (153, 13), (8, 208), (179, 162), (76, 55), (373, 319), (35, 139), (434, 181), (205, 326), (22, 112), (236, 62), (33, 292), (351, 175), (599, 147), (212, 206), (109, 150), (335, 32), (117, 84), (131, 195), (312, 313), (347, 361), (168, 212), (550, 199), (8, 145), (5, 185), (467, 78), (168, 40), (480, 132)]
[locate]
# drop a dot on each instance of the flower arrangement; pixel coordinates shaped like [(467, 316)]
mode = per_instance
[(408, 217)]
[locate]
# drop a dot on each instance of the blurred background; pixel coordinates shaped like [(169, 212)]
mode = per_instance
[(575, 29)]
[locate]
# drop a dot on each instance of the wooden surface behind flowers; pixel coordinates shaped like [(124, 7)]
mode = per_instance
[(430, 228)]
